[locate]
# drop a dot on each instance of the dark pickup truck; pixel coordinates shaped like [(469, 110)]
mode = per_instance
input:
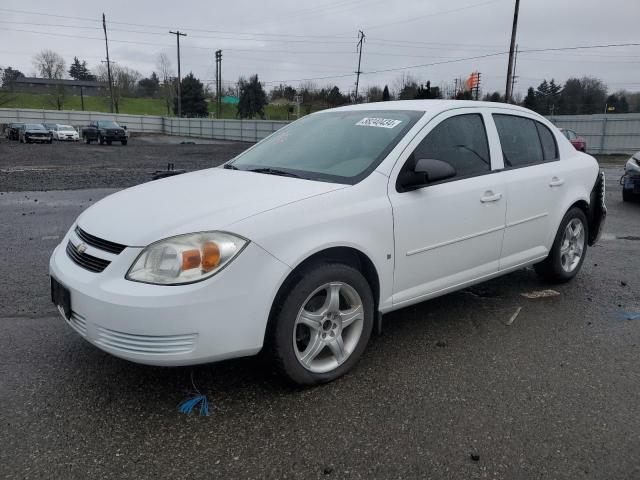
[(105, 131)]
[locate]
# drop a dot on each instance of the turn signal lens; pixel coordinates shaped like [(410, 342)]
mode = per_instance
[(190, 259), (210, 256)]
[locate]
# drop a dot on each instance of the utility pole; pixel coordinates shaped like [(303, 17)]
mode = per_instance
[(513, 74), (477, 85), (218, 83), (106, 44), (507, 96), (179, 34), (358, 72)]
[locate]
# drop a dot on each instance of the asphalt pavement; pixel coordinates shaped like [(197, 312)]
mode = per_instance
[(449, 390)]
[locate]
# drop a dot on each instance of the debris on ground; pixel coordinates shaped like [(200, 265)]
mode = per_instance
[(475, 457), (540, 294), (441, 343), (629, 315), (514, 316), (623, 283)]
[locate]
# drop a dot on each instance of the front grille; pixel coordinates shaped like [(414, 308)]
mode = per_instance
[(146, 344), (99, 243), (89, 262)]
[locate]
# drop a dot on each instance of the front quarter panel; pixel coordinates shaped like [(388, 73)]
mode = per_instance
[(358, 216)]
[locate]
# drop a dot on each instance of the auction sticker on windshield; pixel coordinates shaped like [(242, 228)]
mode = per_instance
[(379, 122)]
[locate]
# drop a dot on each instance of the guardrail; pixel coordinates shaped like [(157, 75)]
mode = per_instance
[(614, 133)]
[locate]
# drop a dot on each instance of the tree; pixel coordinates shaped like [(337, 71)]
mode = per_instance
[(385, 94), (427, 92), (493, 97), (123, 79), (335, 98), (194, 103), (169, 84), (283, 91), (49, 64), (149, 87), (9, 75), (406, 87), (79, 70), (373, 94), (531, 100), (252, 97)]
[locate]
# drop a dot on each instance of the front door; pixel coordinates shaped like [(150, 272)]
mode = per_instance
[(448, 233)]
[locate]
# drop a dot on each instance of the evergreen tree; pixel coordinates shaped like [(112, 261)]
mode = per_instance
[(149, 87), (252, 98), (80, 71), (385, 94), (335, 98), (531, 100), (194, 103)]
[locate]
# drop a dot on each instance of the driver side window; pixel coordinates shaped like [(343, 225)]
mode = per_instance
[(460, 141)]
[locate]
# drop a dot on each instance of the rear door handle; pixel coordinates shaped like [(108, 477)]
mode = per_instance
[(556, 182), (490, 197)]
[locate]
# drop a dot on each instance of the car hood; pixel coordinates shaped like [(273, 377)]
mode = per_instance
[(209, 199)]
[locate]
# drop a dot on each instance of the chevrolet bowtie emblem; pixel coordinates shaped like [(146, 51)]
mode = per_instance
[(81, 248)]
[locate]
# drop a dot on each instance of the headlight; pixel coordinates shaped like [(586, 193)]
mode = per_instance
[(185, 258), (632, 166)]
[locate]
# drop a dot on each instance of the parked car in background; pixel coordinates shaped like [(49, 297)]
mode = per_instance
[(65, 133), (50, 126), (105, 131), (630, 181), (35, 132), (577, 141), (12, 132), (300, 244)]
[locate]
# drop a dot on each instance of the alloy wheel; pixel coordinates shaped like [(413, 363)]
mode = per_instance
[(572, 245), (328, 327)]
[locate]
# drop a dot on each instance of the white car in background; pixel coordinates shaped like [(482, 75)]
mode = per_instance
[(300, 243), (65, 133)]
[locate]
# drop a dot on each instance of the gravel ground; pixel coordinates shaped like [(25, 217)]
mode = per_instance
[(66, 166), (449, 390)]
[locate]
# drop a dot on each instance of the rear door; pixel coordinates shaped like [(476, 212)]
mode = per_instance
[(448, 232), (534, 187)]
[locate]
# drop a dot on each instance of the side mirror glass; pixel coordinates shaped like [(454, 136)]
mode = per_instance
[(426, 171)]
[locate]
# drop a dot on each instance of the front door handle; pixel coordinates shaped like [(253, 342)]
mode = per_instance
[(556, 182), (489, 196)]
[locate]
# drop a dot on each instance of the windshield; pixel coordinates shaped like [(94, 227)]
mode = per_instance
[(108, 124), (65, 127), (342, 147), (34, 126)]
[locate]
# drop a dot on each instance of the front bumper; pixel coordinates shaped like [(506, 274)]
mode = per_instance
[(38, 138), (222, 317)]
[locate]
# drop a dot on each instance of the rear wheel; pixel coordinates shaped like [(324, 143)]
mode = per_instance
[(108, 142), (568, 250), (100, 139), (323, 324), (627, 195), (87, 140)]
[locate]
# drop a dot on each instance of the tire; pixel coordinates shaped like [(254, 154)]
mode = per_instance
[(50, 141), (312, 289), (87, 140), (124, 142), (561, 265), (108, 142), (627, 196), (100, 140)]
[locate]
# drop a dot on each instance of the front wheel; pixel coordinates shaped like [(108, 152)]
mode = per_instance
[(124, 142), (568, 250), (322, 326), (100, 140), (627, 196)]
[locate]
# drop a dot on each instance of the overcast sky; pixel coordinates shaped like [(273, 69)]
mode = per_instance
[(287, 40)]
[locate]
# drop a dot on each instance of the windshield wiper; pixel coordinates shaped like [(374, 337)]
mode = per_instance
[(230, 166), (274, 171)]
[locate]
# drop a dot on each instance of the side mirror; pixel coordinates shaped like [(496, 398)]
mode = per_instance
[(125, 127), (426, 171)]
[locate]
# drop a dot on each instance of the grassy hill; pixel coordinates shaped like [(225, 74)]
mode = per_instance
[(134, 106)]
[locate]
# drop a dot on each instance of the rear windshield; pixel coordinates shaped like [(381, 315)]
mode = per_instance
[(338, 146)]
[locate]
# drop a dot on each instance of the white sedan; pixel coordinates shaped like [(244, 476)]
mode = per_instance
[(300, 244), (65, 133)]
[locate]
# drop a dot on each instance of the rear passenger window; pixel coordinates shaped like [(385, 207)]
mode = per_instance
[(548, 141), (461, 141), (519, 140)]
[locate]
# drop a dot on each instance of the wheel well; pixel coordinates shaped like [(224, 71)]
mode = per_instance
[(582, 205), (345, 255)]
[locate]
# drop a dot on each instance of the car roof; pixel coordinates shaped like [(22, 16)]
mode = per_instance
[(432, 106)]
